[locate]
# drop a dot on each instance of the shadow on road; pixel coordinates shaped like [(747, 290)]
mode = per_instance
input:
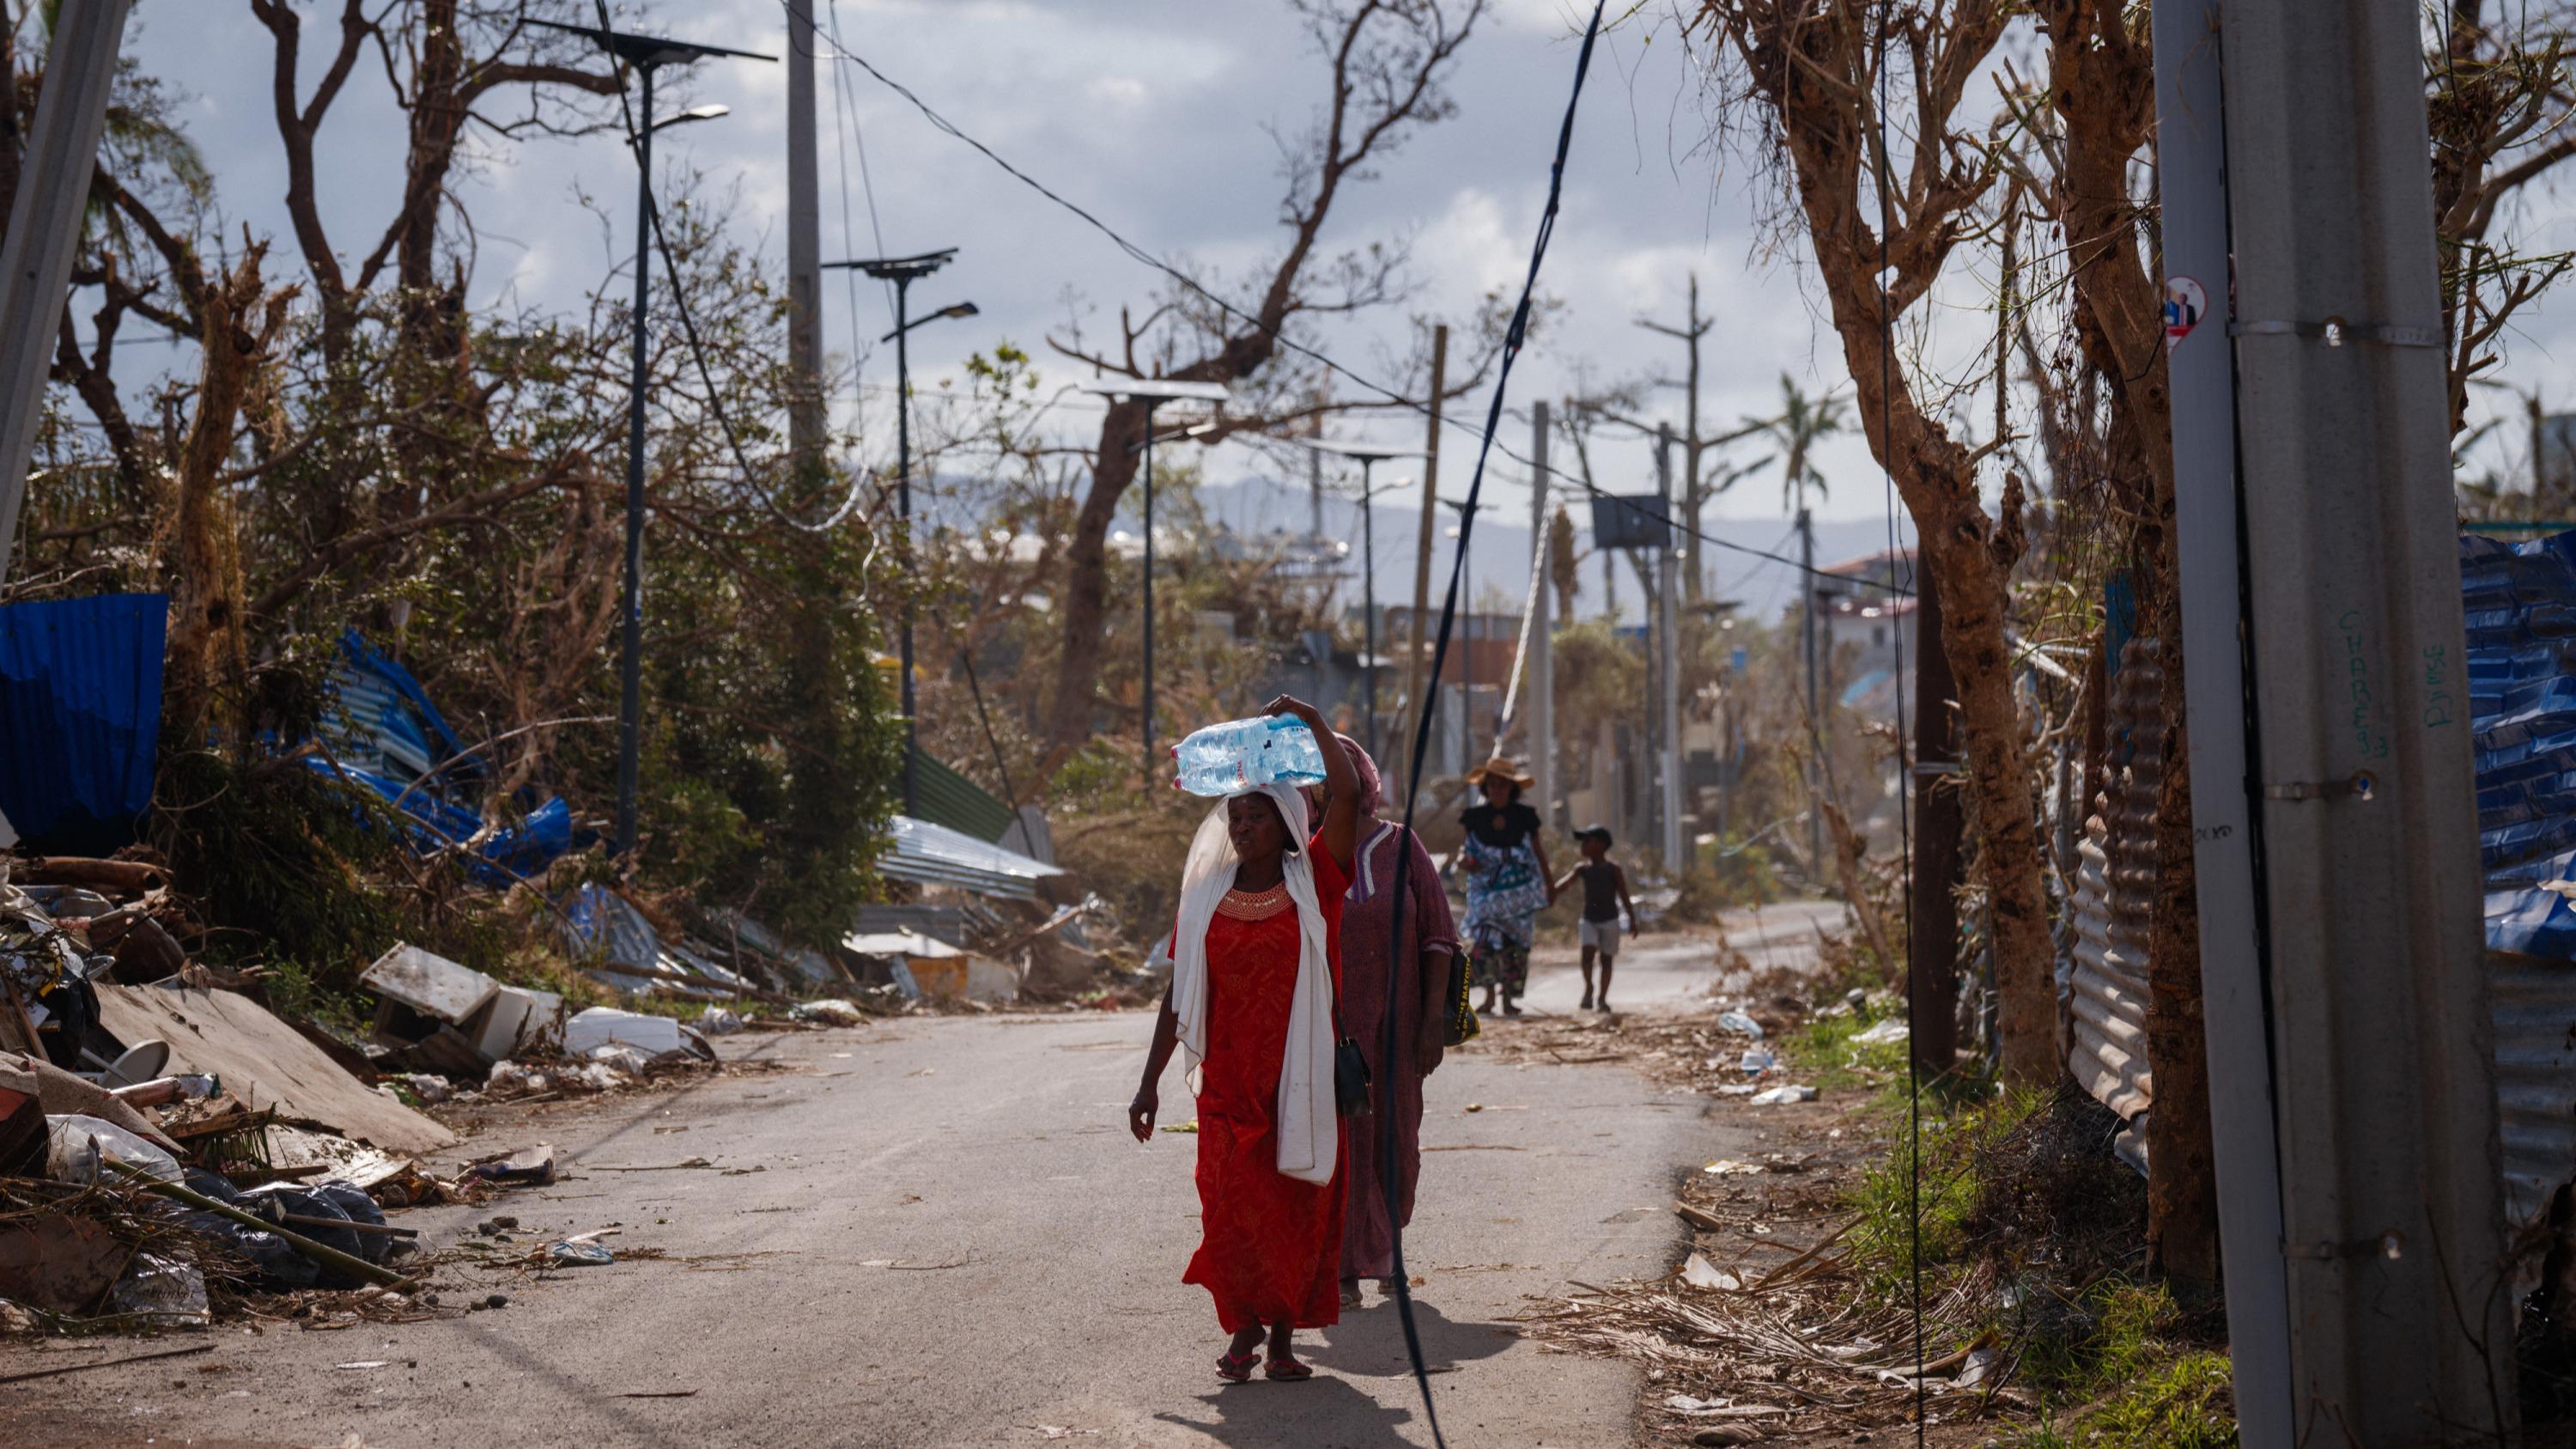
[(1322, 1411), (1371, 1341)]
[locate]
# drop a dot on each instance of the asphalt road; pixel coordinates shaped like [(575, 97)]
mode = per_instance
[(936, 1232)]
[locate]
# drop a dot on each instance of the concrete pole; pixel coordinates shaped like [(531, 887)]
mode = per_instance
[(2191, 178), (44, 232), (1418, 652), (1668, 645), (1542, 660), (1815, 718), (804, 251), (2393, 1233)]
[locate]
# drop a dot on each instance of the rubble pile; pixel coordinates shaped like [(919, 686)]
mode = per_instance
[(173, 1152)]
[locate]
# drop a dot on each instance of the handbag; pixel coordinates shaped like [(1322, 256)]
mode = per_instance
[(1351, 1096)]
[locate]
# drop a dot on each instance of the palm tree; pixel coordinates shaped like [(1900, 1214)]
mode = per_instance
[(1801, 423)]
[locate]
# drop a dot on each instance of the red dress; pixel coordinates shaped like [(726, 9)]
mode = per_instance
[(1271, 1248)]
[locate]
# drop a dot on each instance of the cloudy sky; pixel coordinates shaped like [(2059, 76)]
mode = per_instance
[(1158, 115)]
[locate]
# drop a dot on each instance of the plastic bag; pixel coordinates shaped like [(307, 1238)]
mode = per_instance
[(170, 1293), (77, 1146)]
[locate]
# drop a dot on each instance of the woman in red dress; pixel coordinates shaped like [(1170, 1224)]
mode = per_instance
[(1255, 961)]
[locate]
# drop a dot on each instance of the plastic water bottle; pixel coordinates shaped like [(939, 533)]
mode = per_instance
[(1246, 754)]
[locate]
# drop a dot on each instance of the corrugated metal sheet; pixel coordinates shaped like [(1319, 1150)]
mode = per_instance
[(936, 855), (80, 717), (945, 797), (383, 722), (2115, 898), (2520, 603)]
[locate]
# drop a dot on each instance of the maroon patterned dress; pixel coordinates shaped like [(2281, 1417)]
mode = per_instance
[(1369, 953)]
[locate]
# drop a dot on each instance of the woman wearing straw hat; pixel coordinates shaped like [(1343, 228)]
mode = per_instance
[(1508, 881)]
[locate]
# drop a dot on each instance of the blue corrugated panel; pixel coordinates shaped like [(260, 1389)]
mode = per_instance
[(80, 716)]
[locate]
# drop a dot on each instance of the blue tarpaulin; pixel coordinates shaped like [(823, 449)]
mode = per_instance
[(80, 717), (2520, 605), (382, 732)]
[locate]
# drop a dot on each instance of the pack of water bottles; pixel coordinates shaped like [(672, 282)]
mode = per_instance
[(1246, 754)]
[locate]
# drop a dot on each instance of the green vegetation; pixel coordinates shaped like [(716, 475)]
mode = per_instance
[(2028, 1232)]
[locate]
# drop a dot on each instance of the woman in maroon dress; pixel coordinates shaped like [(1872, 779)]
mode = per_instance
[(1255, 954), (1420, 965)]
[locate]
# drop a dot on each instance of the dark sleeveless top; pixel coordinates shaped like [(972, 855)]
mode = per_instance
[(1600, 890)]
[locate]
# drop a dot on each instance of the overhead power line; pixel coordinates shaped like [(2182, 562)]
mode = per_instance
[(841, 53)]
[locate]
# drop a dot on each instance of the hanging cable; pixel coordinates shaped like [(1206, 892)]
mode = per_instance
[(1513, 340)]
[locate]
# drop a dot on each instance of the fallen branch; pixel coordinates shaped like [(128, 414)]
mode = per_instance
[(73, 1368)]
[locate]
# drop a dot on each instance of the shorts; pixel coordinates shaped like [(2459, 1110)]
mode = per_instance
[(1601, 936)]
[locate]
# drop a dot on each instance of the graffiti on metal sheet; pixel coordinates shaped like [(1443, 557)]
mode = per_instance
[(2368, 736), (2437, 681)]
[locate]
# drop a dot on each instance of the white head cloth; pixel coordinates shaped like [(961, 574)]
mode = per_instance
[(1309, 1132)]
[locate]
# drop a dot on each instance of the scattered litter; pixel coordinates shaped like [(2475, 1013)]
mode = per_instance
[(1191, 1126), (1729, 1167), (528, 1167), (1885, 1033), (569, 1254), (831, 1010), (1972, 1373), (1738, 1089), (1475, 1107), (364, 1363), (1780, 1096), (1738, 1022), (1699, 1272), (716, 1021), (656, 1036), (1758, 1060)]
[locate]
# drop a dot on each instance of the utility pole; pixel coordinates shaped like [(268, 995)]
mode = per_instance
[(1693, 328), (2191, 179), (804, 252), (1417, 656), (1932, 950), (1815, 720), (1315, 481), (1668, 644), (1542, 661), (44, 232), (2392, 1217)]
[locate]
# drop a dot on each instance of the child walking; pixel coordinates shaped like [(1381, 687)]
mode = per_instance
[(1605, 890)]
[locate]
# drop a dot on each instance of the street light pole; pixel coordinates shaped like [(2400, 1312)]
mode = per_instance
[(646, 53), (1368, 456), (903, 272), (1152, 392)]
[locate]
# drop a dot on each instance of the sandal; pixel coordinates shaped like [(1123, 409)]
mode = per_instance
[(1288, 1371), (1236, 1368)]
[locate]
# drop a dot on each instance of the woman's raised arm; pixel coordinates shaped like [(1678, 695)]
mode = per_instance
[(1341, 825)]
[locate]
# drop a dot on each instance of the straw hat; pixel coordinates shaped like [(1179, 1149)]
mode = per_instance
[(1499, 768)]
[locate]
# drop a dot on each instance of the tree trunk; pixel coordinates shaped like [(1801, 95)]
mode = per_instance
[(1084, 606), (2182, 1180), (206, 603)]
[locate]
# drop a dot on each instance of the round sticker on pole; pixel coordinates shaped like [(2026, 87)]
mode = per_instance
[(2185, 303)]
